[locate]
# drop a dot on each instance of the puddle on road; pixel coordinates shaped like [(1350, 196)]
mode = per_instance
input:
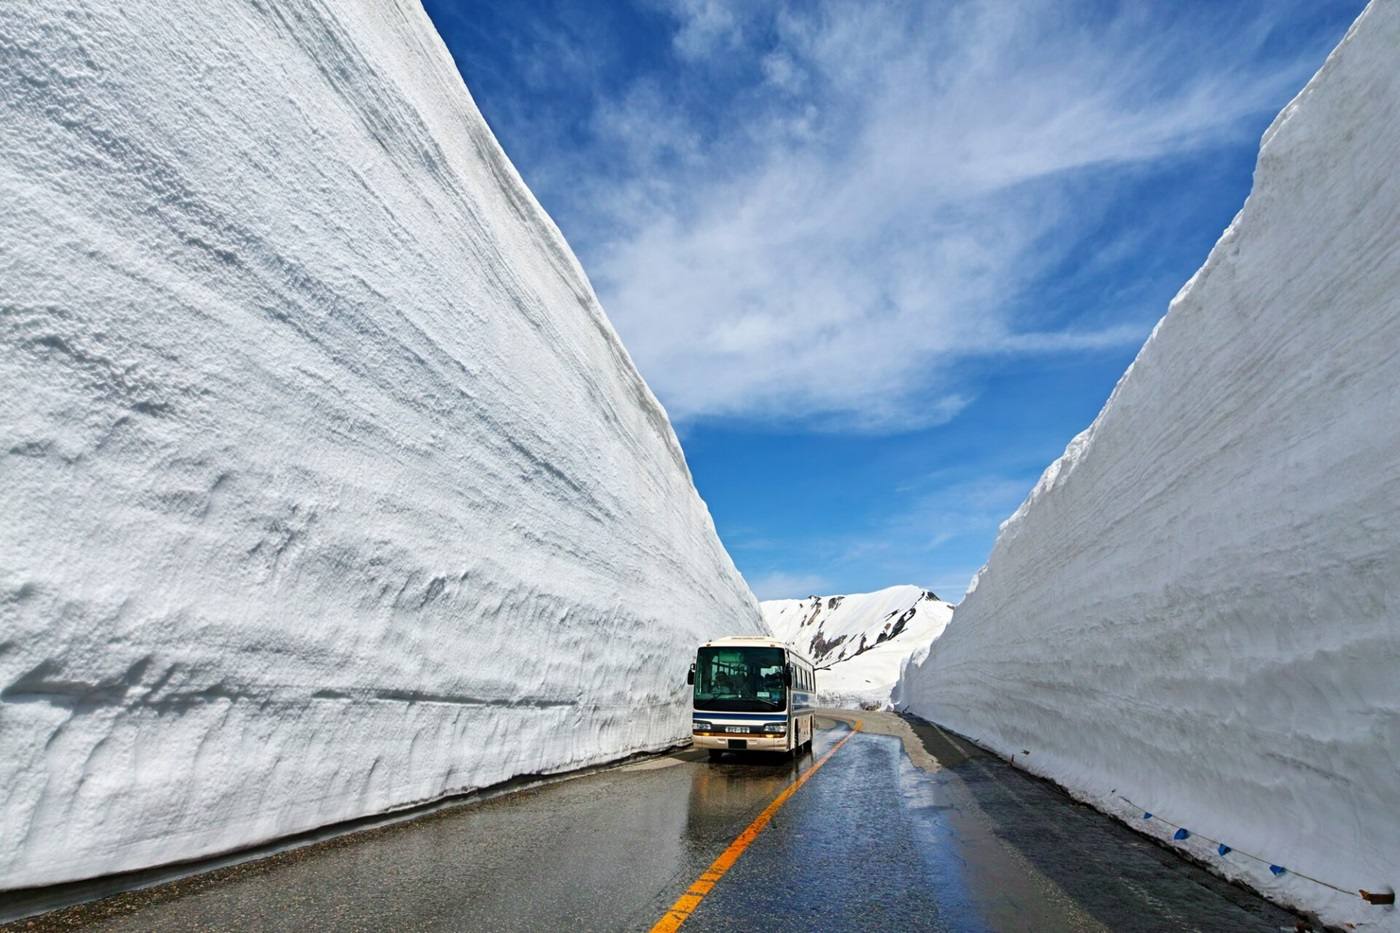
[(1016, 849), (652, 764)]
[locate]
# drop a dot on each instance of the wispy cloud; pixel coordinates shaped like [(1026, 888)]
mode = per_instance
[(920, 528), (914, 536), (779, 585), (707, 27), (816, 211)]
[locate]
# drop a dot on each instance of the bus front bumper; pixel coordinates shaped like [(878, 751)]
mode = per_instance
[(753, 741)]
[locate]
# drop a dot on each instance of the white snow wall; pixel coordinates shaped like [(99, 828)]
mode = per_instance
[(1198, 606), (327, 486)]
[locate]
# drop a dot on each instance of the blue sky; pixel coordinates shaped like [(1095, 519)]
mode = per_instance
[(882, 261)]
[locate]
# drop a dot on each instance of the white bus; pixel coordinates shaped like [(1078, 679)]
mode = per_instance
[(752, 693)]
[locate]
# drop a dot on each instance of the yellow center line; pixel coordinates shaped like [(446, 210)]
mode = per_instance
[(685, 904)]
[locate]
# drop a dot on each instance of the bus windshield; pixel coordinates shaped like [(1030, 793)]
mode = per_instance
[(738, 679)]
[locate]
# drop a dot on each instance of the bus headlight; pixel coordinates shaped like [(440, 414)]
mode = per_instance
[(778, 727), (698, 726)]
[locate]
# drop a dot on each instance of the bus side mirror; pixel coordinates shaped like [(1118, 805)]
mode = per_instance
[(690, 675), (787, 676)]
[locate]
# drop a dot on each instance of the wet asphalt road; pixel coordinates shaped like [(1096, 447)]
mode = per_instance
[(872, 842)]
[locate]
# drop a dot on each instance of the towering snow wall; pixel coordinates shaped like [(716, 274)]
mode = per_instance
[(1197, 609), (327, 486)]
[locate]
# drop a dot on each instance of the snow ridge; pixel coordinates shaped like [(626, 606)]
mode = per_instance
[(1197, 609), (859, 641), (327, 486)]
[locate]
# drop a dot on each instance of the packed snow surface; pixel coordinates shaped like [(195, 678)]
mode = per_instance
[(327, 486), (859, 642), (1196, 612)]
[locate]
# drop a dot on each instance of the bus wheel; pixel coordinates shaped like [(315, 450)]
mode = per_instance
[(715, 753)]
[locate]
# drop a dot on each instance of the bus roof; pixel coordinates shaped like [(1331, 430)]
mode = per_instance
[(754, 641)]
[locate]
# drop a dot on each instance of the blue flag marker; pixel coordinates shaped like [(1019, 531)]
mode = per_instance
[(1182, 833), (1147, 816), (1222, 848), (1277, 869)]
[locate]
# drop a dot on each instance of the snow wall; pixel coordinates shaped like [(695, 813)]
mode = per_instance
[(1197, 609), (327, 486), (859, 642)]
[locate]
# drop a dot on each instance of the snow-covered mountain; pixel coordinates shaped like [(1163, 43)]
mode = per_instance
[(860, 641), (1196, 612), (327, 485)]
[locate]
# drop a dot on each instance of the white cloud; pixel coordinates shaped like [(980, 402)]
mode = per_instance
[(705, 27), (782, 72), (930, 521), (779, 585), (880, 188)]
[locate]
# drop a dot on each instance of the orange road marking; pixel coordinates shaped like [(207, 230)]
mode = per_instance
[(685, 904)]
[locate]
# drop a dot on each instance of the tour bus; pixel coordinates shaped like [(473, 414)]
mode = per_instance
[(752, 693)]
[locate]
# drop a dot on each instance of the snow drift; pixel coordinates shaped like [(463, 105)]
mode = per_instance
[(859, 642), (1197, 609), (328, 487)]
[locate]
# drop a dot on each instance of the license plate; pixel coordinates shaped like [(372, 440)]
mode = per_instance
[(743, 729)]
